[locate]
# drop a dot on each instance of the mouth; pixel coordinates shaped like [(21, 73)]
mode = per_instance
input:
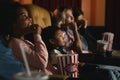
[(29, 24)]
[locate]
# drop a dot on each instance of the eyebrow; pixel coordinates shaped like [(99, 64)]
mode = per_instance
[(21, 13)]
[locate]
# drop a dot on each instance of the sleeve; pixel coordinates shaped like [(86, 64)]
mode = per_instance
[(36, 54), (53, 56), (41, 50)]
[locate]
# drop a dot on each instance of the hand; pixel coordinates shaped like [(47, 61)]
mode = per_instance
[(72, 26), (85, 26), (36, 29), (82, 24)]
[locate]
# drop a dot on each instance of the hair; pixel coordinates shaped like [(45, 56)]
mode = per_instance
[(49, 33), (8, 15), (57, 15), (76, 12), (64, 13), (60, 15)]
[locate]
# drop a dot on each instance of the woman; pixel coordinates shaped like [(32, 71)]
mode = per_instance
[(66, 23)]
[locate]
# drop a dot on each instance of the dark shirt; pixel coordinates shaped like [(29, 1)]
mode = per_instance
[(88, 41)]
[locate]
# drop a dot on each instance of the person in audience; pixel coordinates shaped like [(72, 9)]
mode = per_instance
[(9, 66), (54, 39), (21, 24), (88, 71), (82, 28), (88, 41), (65, 20)]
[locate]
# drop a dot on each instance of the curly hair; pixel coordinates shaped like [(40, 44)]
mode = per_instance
[(8, 15)]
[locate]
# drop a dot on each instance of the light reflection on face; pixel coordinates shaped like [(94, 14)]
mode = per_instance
[(59, 38), (23, 22), (69, 16)]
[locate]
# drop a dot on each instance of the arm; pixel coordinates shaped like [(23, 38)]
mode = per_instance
[(77, 45), (37, 54), (41, 50), (40, 47)]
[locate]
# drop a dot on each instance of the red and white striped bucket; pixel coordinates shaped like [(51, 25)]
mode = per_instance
[(108, 36), (68, 64)]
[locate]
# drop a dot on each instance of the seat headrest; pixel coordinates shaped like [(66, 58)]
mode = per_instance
[(39, 15)]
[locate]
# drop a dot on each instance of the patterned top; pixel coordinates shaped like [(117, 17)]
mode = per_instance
[(36, 53)]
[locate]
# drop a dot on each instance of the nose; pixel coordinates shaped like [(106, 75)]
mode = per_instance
[(30, 20), (72, 18)]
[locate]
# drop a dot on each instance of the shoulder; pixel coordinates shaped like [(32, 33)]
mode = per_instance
[(14, 42), (55, 52)]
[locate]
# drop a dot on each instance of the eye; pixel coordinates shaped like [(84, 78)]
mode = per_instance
[(69, 16), (23, 16)]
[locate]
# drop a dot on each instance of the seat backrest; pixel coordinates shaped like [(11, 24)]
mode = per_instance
[(39, 15)]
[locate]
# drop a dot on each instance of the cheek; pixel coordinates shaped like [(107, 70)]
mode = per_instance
[(61, 42), (68, 21), (20, 22), (25, 23), (80, 17)]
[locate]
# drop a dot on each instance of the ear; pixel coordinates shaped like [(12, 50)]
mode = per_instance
[(52, 41)]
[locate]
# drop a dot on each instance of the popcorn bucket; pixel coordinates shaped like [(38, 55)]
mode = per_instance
[(68, 64), (102, 45), (107, 36)]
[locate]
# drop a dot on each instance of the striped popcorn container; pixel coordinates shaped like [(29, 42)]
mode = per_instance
[(68, 64)]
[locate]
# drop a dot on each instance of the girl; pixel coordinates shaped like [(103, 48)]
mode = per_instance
[(36, 52)]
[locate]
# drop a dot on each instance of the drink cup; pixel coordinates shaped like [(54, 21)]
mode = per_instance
[(108, 36), (102, 45), (68, 64), (34, 76)]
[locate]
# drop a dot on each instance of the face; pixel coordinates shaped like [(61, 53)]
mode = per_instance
[(59, 39), (69, 16), (80, 21), (23, 21), (80, 17)]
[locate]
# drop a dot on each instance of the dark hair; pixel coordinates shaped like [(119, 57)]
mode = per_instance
[(8, 15), (76, 12), (49, 33)]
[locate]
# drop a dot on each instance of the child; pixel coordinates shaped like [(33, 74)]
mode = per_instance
[(36, 52), (53, 37)]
